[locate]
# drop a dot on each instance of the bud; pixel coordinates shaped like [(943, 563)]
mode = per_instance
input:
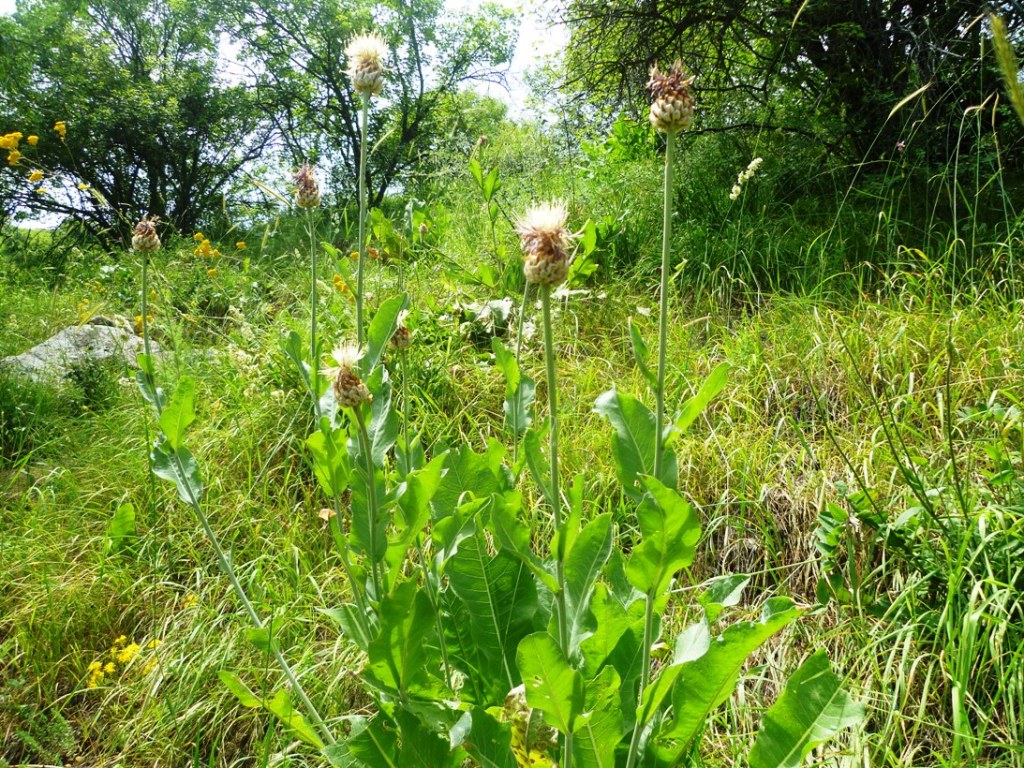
[(307, 190), (545, 241), (423, 229), (672, 105), (402, 339), (144, 237), (365, 55), (349, 389)]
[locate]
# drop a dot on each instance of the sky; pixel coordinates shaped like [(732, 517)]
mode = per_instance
[(536, 39)]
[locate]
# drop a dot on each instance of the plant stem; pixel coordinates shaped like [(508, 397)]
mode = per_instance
[(363, 117), (645, 678), (403, 358), (314, 357), (556, 496), (371, 501), (145, 300), (659, 393), (519, 353)]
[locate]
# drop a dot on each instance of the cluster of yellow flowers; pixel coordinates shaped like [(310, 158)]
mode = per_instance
[(342, 287), (138, 322), (121, 654), (205, 248)]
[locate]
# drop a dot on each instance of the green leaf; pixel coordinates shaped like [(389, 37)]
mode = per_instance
[(121, 529), (380, 331), (294, 350), (486, 740), (236, 686), (586, 559), (812, 709), (514, 536), (724, 592), (422, 747), (146, 379), (281, 707), (706, 682), (261, 639), (180, 468), (693, 407), (383, 427), (641, 354), (346, 617), (540, 470), (476, 172), (179, 413), (491, 185), (370, 744), (398, 654), (633, 443), (519, 390), (468, 474), (552, 686), (589, 239), (612, 622), (330, 460), (600, 729), (670, 533)]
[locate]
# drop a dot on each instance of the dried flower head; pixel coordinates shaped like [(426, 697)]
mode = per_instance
[(144, 237), (307, 189), (672, 102), (546, 242), (365, 55), (349, 389), (402, 339)]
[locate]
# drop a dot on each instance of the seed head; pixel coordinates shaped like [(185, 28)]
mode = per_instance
[(144, 237), (546, 242), (365, 55), (402, 339), (672, 102), (307, 189), (349, 389)]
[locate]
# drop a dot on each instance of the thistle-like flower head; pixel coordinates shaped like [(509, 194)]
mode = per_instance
[(307, 188), (546, 242), (349, 389), (144, 236), (672, 102), (366, 54)]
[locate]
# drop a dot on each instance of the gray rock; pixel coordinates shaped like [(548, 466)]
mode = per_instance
[(99, 341)]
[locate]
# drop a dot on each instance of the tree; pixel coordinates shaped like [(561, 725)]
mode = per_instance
[(295, 53), (831, 69), (151, 125)]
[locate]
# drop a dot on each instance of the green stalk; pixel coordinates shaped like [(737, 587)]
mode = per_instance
[(645, 679), (145, 347), (145, 300), (666, 241), (371, 500), (314, 357), (402, 356), (519, 353), (363, 117), (556, 496)]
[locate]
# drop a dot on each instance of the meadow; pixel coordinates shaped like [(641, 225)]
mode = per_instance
[(772, 512)]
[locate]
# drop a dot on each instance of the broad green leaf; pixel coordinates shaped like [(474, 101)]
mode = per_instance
[(236, 686), (281, 707), (491, 185), (582, 567), (146, 379), (179, 413), (381, 329), (641, 354), (330, 460), (538, 463), (706, 682), (371, 540), (514, 537), (693, 407), (600, 729), (383, 427), (519, 390), (294, 350), (414, 496), (670, 533), (486, 740), (121, 529), (633, 444), (552, 686), (611, 622), (423, 747), (398, 654), (180, 468), (261, 639), (724, 592), (589, 239), (467, 474), (812, 708), (476, 172), (346, 617), (372, 743)]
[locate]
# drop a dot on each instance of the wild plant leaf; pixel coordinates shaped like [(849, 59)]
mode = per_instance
[(589, 239), (370, 539), (294, 350), (706, 682), (476, 172), (565, 537), (383, 427), (641, 354), (417, 490), (409, 457), (398, 654), (723, 592), (179, 413), (633, 444), (234, 684), (261, 639), (422, 747), (582, 567), (347, 618), (519, 389), (692, 643), (491, 184), (501, 600), (695, 406), (600, 730), (281, 707), (611, 621), (552, 686), (670, 533), (486, 740), (121, 530), (467, 474), (538, 463), (330, 460), (812, 708), (146, 379), (372, 743), (514, 537), (179, 467), (381, 329)]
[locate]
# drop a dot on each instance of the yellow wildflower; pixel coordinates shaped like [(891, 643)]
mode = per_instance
[(33, 140), (109, 668), (138, 322), (198, 237), (126, 654), (41, 190), (83, 185), (154, 643), (35, 176), (354, 255), (61, 129), (339, 283), (189, 601), (121, 641), (152, 295), (150, 665), (211, 273), (215, 253), (240, 245), (13, 157), (95, 674)]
